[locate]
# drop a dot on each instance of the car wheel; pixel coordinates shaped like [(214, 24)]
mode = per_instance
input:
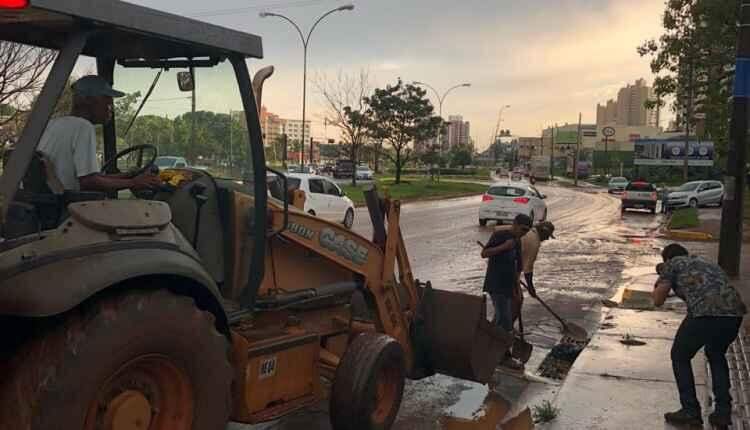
[(482, 222), (693, 203), (349, 218), (311, 212)]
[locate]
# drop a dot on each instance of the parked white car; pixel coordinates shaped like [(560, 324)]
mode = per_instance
[(504, 200), (323, 198), (364, 173), (696, 193), (617, 184), (170, 162)]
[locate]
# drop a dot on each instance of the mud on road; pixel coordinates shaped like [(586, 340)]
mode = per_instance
[(595, 250)]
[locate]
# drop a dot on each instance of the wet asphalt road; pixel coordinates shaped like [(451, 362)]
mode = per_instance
[(596, 249)]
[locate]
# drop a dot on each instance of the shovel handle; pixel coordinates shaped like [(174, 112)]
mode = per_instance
[(549, 309)]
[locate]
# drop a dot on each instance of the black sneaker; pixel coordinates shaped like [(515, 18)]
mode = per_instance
[(683, 417), (720, 419)]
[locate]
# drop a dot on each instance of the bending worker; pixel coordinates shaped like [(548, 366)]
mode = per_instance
[(530, 244)]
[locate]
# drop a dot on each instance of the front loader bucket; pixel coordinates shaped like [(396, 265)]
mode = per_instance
[(457, 340)]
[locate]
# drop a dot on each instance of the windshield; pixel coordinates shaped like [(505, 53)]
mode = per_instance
[(618, 180), (506, 191), (214, 138), (640, 186), (165, 161), (690, 186)]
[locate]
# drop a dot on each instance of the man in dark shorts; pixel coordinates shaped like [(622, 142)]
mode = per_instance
[(714, 316), (503, 268)]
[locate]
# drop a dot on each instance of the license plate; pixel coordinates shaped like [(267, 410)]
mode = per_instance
[(501, 213), (638, 206)]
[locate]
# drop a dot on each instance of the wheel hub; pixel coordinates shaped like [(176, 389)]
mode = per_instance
[(130, 410)]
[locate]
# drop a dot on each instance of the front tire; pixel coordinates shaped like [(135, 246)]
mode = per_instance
[(349, 218), (694, 203), (369, 384), (142, 359), (482, 222)]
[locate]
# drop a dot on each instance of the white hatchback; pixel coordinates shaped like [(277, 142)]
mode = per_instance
[(323, 198), (503, 201)]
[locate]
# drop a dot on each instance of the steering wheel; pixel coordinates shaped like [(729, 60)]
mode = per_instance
[(137, 151)]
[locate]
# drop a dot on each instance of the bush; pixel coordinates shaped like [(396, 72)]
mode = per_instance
[(684, 218)]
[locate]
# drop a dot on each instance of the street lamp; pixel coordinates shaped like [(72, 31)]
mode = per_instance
[(441, 99), (305, 43)]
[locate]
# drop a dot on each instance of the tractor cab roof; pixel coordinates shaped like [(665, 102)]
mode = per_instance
[(126, 31)]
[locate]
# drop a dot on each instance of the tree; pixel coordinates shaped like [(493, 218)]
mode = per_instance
[(346, 110), (461, 156), (22, 74), (693, 61), (399, 115)]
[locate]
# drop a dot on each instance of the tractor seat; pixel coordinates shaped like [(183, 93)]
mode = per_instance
[(41, 201)]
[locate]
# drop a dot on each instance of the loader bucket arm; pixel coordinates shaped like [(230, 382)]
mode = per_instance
[(448, 331)]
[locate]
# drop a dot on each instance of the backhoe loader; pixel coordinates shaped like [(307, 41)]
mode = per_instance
[(210, 299)]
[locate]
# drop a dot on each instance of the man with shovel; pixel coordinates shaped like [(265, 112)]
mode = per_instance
[(503, 252)]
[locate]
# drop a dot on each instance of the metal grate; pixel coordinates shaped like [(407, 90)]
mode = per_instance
[(739, 373)]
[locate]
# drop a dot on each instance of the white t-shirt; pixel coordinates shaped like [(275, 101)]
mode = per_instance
[(70, 143)]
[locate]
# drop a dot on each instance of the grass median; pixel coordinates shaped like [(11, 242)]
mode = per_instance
[(684, 218), (413, 190)]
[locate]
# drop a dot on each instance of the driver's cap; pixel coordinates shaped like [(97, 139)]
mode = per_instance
[(93, 85)]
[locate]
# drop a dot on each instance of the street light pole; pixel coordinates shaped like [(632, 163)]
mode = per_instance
[(441, 99), (305, 44)]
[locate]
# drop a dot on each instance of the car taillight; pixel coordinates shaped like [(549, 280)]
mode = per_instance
[(522, 200), (14, 4), (487, 198), (653, 196), (625, 195)]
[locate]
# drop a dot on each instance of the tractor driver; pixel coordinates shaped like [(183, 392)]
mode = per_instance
[(69, 142)]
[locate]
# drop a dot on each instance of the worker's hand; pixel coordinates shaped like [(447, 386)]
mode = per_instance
[(146, 181), (530, 284)]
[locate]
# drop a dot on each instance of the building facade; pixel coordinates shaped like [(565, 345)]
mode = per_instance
[(457, 133), (630, 107)]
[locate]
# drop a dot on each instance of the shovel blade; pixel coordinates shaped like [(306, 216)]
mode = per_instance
[(521, 350), (458, 339)]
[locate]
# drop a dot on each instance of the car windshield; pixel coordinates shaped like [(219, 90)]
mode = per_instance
[(690, 186), (502, 191), (165, 161), (618, 180), (640, 186)]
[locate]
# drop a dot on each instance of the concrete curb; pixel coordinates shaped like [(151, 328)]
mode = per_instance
[(428, 199), (688, 235)]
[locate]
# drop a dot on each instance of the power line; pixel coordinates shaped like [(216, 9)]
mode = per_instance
[(277, 5)]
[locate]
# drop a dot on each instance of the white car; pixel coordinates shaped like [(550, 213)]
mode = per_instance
[(697, 193), (364, 173), (170, 162), (504, 200), (323, 198)]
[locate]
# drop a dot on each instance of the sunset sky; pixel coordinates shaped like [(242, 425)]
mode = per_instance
[(548, 59)]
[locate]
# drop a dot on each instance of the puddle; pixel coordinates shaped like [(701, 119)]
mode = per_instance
[(469, 402), (632, 342)]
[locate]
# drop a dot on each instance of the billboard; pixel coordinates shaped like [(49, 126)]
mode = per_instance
[(566, 137), (671, 152)]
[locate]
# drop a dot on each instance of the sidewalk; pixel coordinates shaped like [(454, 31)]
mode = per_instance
[(623, 379)]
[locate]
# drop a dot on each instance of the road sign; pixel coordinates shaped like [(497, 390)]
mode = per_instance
[(608, 131)]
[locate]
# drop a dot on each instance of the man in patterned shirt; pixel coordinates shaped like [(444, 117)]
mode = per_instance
[(714, 316)]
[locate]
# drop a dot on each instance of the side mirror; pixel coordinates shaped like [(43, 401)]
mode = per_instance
[(342, 193), (185, 81)]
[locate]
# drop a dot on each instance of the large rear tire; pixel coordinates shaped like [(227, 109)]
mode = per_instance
[(369, 384), (138, 360)]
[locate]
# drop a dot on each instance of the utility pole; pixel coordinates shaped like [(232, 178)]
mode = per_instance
[(230, 143), (577, 154), (192, 117), (730, 244), (552, 155), (311, 151)]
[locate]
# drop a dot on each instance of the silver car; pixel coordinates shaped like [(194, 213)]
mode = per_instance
[(697, 193), (617, 184)]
